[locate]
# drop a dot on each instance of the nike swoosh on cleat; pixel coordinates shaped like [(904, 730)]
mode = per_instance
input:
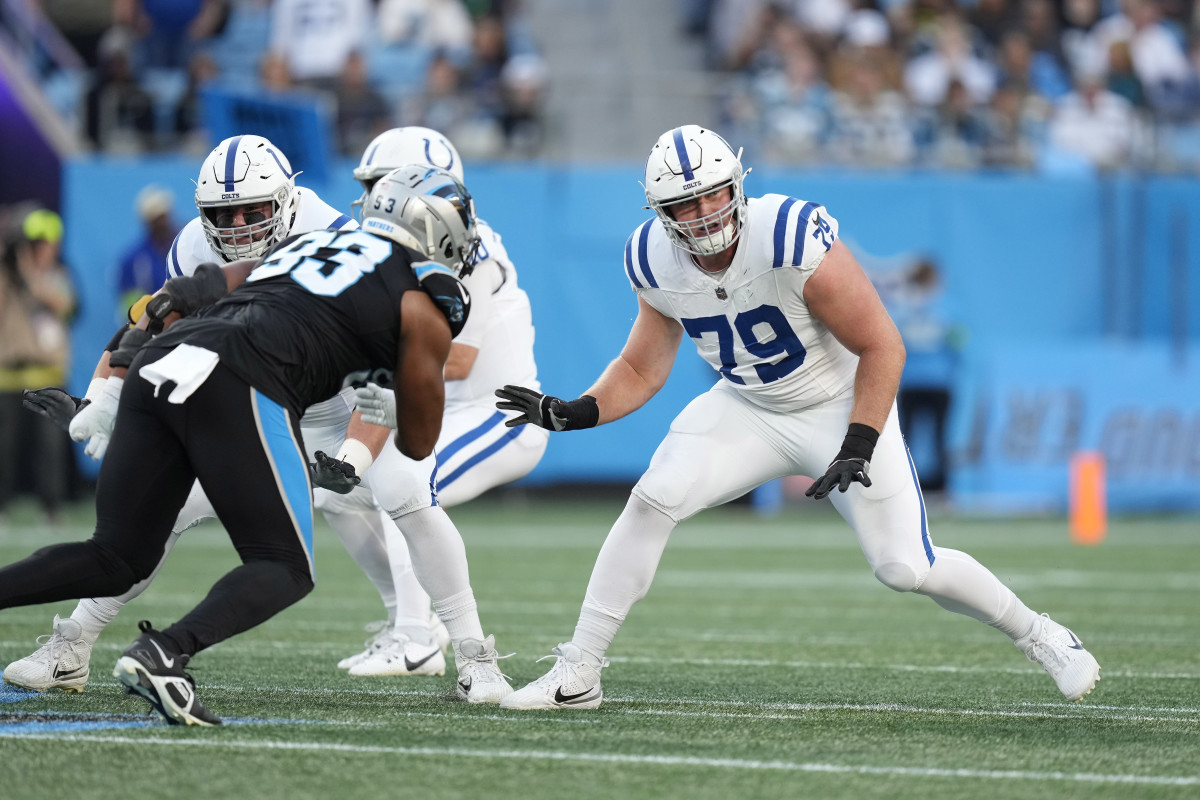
[(167, 662), (465, 684), (412, 665), (71, 673), (1078, 644), (571, 699)]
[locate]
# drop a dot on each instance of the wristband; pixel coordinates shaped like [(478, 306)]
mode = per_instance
[(95, 388), (585, 413), (357, 455), (859, 442)]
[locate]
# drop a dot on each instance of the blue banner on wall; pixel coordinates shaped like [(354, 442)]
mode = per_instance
[(298, 123)]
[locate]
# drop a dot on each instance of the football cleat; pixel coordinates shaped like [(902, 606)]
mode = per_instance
[(479, 678), (403, 656), (153, 667), (570, 683), (381, 639), (1061, 653), (60, 663)]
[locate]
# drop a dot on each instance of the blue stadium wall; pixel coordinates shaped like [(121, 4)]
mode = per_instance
[(1080, 294)]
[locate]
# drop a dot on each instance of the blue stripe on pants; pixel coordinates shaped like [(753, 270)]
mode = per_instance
[(287, 459)]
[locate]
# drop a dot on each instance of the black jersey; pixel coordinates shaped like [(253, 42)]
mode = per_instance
[(320, 306)]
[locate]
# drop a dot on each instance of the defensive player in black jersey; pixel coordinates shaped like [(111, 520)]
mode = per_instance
[(218, 398)]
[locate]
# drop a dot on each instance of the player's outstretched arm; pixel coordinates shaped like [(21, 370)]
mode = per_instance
[(840, 295), (420, 390), (625, 385)]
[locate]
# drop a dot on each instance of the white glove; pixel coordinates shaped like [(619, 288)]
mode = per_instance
[(377, 405), (94, 422)]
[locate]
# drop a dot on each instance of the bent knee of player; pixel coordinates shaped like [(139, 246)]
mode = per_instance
[(900, 576)]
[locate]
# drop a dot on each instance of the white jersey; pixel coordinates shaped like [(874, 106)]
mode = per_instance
[(191, 249), (500, 326), (750, 322)]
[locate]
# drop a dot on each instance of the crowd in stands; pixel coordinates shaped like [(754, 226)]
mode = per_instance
[(469, 68), (967, 84)]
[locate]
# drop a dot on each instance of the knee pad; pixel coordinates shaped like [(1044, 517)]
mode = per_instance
[(899, 577)]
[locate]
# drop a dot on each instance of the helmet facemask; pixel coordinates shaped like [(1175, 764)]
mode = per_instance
[(245, 171), (686, 164)]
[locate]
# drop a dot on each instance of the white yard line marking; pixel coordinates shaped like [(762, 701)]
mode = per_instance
[(649, 760)]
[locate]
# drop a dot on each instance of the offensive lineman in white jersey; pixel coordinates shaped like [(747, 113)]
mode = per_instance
[(781, 310), (475, 451), (248, 201)]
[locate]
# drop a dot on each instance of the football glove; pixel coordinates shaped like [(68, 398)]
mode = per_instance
[(94, 422), (377, 405), (52, 403), (332, 474), (547, 412), (185, 294), (852, 464)]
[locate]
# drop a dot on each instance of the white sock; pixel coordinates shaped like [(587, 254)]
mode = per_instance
[(439, 560), (361, 532), (412, 601), (959, 583), (94, 614), (622, 575)]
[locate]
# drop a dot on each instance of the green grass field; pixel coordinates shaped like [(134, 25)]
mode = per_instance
[(765, 662)]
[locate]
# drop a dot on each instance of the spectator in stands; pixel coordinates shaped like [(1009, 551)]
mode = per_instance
[(1095, 124), (189, 122), (436, 25), (1037, 72), (794, 99), (928, 77), (143, 268), (443, 105), (993, 18), (1006, 128), (362, 113), (119, 113), (522, 92), (316, 38), (37, 300), (870, 123), (273, 73), (170, 30)]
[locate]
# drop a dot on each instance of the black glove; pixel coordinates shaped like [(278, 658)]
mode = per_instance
[(188, 293), (546, 411), (130, 343), (336, 476), (53, 403), (852, 463)]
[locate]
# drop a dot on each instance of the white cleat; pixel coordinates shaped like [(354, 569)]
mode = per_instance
[(60, 663), (382, 638), (570, 683), (479, 678), (1060, 653), (403, 657)]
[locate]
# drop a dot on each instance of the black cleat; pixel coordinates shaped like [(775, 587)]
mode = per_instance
[(153, 668)]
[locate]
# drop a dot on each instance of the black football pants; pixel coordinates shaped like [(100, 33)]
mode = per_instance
[(247, 453)]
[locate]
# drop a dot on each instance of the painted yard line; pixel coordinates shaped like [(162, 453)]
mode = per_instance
[(648, 760), (749, 662), (754, 710), (802, 710)]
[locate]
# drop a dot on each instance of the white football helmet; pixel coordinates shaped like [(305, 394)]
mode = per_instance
[(427, 210), (688, 162), (400, 146), (245, 170)]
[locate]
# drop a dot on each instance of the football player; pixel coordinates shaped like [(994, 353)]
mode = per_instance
[(319, 306), (808, 363), (475, 451), (248, 201)]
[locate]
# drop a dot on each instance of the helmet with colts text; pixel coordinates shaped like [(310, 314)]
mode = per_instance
[(688, 162), (246, 194), (427, 210)]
